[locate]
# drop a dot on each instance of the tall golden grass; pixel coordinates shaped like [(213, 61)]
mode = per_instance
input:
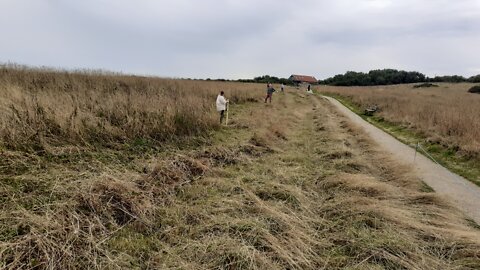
[(41, 107), (447, 114)]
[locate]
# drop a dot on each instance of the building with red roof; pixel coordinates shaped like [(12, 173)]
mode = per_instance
[(300, 79)]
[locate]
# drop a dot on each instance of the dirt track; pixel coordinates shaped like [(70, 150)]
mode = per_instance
[(462, 193)]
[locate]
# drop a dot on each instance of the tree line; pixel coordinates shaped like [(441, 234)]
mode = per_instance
[(373, 77), (268, 79), (391, 76), (260, 79)]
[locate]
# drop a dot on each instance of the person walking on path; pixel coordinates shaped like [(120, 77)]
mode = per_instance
[(282, 87), (309, 89), (221, 105), (270, 91)]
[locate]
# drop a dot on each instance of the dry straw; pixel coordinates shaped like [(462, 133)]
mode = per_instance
[(447, 114), (40, 107)]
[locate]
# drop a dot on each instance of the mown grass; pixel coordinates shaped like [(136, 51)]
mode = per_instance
[(449, 156)]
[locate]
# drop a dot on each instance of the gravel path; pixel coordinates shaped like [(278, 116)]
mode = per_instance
[(462, 193)]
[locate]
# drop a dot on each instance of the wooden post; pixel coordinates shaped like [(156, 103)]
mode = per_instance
[(226, 119), (416, 149)]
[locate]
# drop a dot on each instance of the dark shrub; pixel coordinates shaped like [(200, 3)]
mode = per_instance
[(425, 85), (475, 89)]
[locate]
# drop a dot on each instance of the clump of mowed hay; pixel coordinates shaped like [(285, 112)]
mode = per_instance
[(361, 184), (178, 171), (425, 85), (220, 156), (226, 156)]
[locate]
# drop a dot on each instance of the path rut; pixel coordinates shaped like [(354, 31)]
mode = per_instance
[(460, 192)]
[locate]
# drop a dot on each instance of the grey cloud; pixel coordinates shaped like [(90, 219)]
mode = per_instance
[(233, 39)]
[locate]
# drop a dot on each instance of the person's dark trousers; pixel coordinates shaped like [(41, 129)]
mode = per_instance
[(222, 114), (269, 96)]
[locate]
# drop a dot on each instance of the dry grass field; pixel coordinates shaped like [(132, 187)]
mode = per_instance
[(447, 114), (288, 185), (40, 108)]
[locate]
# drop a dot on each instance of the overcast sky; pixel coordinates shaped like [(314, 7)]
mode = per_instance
[(243, 38)]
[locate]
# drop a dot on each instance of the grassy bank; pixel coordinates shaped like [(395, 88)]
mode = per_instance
[(447, 155)]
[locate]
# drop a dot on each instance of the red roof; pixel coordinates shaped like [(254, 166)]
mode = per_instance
[(303, 78)]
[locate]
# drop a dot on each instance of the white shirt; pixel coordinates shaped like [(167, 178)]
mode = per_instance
[(221, 103)]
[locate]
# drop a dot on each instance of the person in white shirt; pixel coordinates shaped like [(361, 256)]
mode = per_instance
[(221, 105), (282, 87)]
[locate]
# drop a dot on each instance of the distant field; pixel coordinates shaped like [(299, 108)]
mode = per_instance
[(447, 114)]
